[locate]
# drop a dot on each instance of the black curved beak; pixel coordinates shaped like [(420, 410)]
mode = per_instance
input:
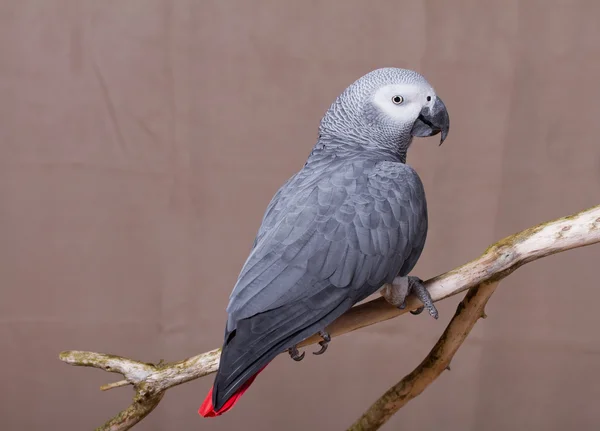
[(432, 120)]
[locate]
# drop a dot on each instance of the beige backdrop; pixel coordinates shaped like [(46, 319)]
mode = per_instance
[(141, 140)]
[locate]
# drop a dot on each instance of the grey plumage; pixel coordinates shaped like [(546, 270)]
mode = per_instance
[(353, 218)]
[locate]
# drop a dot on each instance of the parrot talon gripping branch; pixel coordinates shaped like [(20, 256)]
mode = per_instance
[(295, 354), (324, 343), (399, 290), (417, 287)]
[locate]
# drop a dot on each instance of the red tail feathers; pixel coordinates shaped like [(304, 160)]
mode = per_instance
[(208, 410)]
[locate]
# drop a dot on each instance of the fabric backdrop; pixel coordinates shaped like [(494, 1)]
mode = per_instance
[(141, 140)]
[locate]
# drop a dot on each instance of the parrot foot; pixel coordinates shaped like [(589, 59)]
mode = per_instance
[(324, 343), (397, 292), (295, 354)]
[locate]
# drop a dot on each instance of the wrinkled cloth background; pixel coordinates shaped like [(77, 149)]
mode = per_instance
[(141, 140)]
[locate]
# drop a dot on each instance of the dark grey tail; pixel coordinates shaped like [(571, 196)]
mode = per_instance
[(257, 340)]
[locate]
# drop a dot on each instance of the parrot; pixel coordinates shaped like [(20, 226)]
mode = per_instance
[(350, 223)]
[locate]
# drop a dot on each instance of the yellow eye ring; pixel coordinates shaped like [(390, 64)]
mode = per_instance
[(397, 100)]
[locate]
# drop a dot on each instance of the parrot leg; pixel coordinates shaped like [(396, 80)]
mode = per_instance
[(324, 343), (295, 354), (397, 292)]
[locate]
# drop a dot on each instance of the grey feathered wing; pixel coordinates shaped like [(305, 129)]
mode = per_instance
[(331, 236)]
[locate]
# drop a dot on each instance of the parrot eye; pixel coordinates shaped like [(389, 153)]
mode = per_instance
[(397, 100), (429, 98)]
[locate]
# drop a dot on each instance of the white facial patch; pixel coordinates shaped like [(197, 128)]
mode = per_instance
[(414, 97)]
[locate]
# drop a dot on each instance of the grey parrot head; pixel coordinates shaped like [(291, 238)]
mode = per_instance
[(386, 108)]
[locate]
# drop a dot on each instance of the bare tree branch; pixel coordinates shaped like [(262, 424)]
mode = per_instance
[(498, 261), (468, 312)]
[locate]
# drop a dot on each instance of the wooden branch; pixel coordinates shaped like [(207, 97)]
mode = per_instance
[(467, 313), (498, 261)]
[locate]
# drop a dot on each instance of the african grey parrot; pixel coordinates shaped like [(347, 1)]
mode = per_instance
[(352, 219)]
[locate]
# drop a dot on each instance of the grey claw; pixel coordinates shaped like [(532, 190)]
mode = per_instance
[(295, 354), (416, 287), (324, 344), (417, 311)]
